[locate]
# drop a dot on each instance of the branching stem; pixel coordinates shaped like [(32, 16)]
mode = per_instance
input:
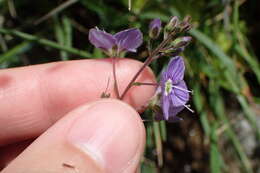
[(147, 62)]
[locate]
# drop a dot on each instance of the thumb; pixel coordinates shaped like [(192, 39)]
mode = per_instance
[(102, 136)]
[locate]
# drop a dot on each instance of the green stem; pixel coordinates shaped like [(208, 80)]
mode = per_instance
[(45, 42)]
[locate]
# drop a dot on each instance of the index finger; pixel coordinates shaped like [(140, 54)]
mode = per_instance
[(35, 97)]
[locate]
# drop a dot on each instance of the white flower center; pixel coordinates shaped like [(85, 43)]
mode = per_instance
[(168, 87)]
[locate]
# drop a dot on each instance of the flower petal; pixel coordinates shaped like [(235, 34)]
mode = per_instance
[(173, 111), (163, 79), (165, 106), (180, 95), (129, 40), (174, 119), (101, 39), (176, 69)]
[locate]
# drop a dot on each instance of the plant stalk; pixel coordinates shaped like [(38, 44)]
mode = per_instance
[(147, 62), (115, 78)]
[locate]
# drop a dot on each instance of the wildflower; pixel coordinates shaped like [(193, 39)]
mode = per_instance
[(155, 28), (174, 92), (113, 45)]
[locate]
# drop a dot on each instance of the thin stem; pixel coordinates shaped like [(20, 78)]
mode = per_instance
[(149, 46), (55, 11), (147, 62), (129, 5), (45, 42), (141, 83), (115, 78), (158, 56), (12, 8)]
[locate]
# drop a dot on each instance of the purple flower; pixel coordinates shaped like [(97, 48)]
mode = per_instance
[(155, 28), (126, 40), (174, 92)]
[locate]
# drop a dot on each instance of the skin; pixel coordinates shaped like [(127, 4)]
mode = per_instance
[(52, 118)]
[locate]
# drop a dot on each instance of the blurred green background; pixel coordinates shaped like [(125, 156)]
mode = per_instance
[(222, 69)]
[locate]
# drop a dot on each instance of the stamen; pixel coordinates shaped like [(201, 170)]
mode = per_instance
[(97, 28), (182, 89), (186, 106)]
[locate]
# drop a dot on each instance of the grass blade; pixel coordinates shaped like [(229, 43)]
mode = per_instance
[(19, 49), (45, 42)]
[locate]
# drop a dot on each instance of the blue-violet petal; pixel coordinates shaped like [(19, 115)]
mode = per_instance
[(101, 39), (129, 40)]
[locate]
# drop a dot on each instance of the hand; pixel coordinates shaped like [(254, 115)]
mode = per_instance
[(76, 131)]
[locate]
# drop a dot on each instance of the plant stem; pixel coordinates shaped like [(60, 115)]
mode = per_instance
[(140, 83), (115, 78), (55, 11), (45, 42), (147, 62)]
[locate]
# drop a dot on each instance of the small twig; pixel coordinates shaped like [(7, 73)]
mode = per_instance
[(80, 27), (55, 11), (115, 78)]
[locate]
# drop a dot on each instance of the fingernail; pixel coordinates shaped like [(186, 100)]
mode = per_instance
[(108, 131)]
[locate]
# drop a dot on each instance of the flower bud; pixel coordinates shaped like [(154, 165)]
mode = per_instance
[(155, 28), (172, 51), (185, 25), (187, 19), (173, 23), (177, 51), (183, 41)]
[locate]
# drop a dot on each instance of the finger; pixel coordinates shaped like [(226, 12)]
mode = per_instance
[(103, 136), (9, 152), (33, 98)]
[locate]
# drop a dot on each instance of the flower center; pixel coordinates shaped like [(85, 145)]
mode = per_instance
[(168, 87)]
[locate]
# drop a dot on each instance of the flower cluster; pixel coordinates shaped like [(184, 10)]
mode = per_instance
[(172, 90)]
